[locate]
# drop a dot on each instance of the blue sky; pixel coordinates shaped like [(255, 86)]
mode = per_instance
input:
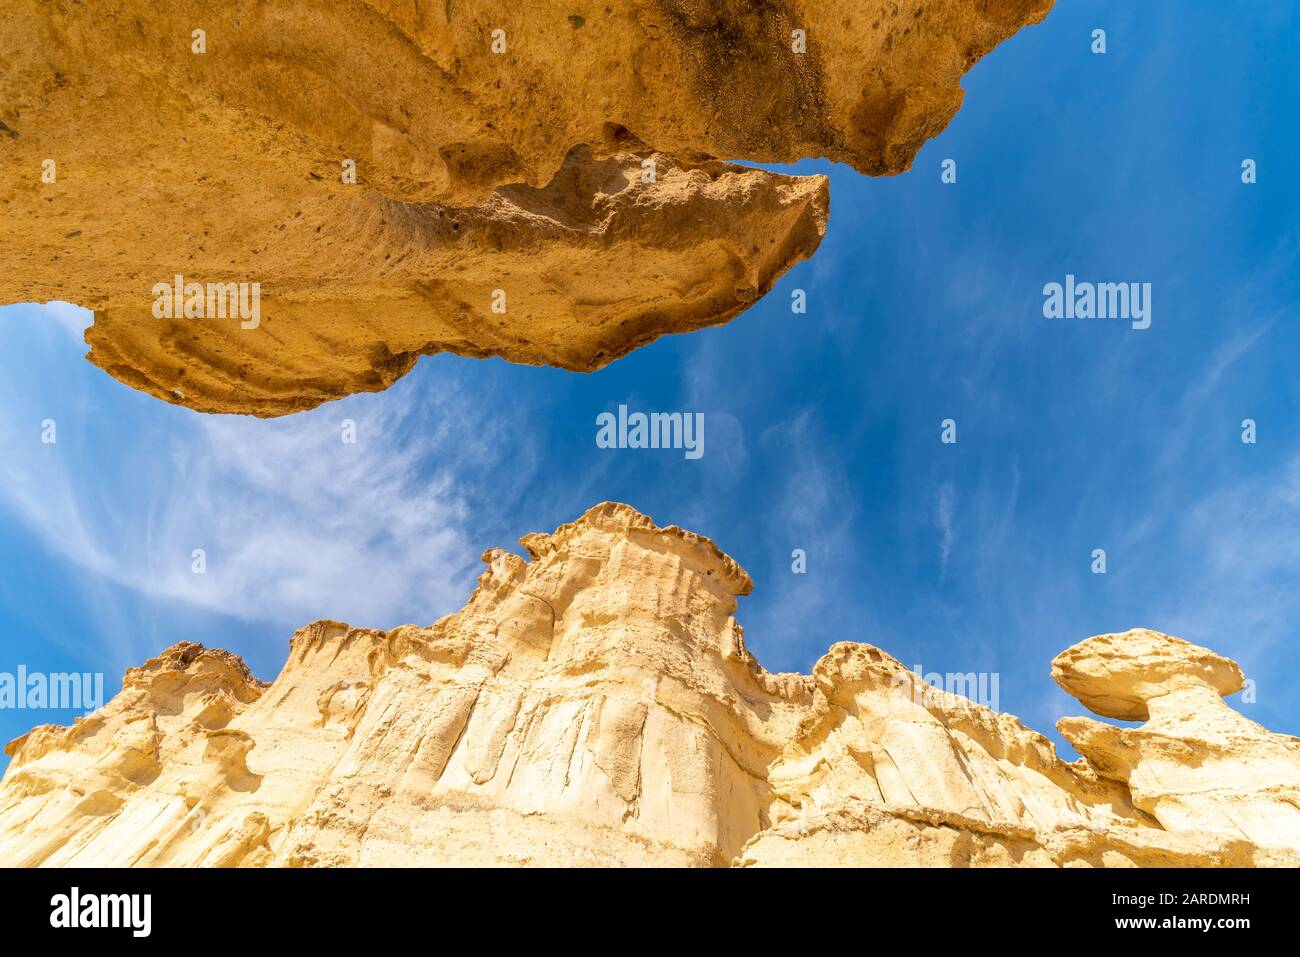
[(822, 430)]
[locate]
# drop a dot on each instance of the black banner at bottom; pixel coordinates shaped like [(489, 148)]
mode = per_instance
[(337, 907)]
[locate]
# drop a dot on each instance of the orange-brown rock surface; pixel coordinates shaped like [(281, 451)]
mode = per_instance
[(596, 705), (541, 181)]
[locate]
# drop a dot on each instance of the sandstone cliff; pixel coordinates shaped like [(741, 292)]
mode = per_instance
[(536, 181), (596, 705)]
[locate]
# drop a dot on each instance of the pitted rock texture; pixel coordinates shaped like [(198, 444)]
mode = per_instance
[(596, 705), (577, 171)]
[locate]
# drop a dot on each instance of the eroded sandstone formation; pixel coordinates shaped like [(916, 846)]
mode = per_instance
[(596, 705), (565, 154)]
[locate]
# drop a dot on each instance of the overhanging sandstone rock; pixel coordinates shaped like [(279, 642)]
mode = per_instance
[(476, 171), (1195, 763), (596, 705)]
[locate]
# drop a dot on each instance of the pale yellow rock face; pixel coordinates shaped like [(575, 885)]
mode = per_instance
[(595, 705), (523, 171), (1195, 763)]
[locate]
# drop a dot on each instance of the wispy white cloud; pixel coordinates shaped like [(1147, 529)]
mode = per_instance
[(295, 523), (794, 617), (1241, 544), (943, 507), (1206, 386)]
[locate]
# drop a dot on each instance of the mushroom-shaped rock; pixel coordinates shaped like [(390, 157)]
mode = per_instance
[(1117, 675), (1196, 765)]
